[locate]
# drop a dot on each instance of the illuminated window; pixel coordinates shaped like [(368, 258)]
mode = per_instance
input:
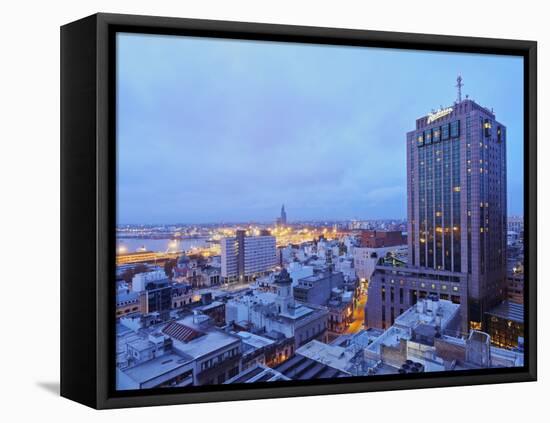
[(475, 325), (487, 127), (456, 189), (428, 136)]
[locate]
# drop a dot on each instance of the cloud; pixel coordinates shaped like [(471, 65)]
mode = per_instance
[(384, 194)]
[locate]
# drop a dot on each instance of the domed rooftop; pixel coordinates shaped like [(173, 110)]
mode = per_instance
[(283, 277)]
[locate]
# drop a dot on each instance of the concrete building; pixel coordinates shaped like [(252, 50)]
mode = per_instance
[(127, 301), (298, 271), (189, 351), (379, 239), (216, 354), (264, 350), (425, 334), (317, 360), (340, 307), (515, 286), (155, 291), (278, 312), (182, 295), (213, 309), (365, 259), (140, 280), (395, 287), (245, 257), (317, 288), (456, 189), (456, 207), (515, 224), (168, 370)]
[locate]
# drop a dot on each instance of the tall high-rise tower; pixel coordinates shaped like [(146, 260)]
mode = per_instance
[(456, 207), (456, 199), (283, 215)]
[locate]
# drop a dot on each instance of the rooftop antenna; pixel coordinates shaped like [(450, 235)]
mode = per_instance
[(459, 85)]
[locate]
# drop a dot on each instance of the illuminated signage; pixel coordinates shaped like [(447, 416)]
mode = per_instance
[(432, 117)]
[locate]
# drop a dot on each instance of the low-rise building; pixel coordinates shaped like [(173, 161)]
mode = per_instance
[(505, 324), (317, 288), (379, 239), (127, 302), (395, 287), (215, 310), (515, 286), (366, 259), (278, 312), (426, 334), (182, 295), (155, 291), (340, 307), (216, 354), (188, 351)]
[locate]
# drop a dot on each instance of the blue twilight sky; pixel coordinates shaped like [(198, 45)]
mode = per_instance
[(219, 130)]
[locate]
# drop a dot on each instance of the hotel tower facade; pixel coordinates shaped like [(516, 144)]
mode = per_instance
[(456, 206)]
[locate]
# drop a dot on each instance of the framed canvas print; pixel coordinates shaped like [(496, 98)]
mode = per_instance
[(257, 211)]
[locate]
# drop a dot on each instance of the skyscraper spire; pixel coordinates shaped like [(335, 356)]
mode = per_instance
[(283, 215), (459, 85)]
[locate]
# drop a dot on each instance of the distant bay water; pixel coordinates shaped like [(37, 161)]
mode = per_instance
[(132, 245)]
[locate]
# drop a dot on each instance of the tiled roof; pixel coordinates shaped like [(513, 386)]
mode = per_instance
[(181, 332)]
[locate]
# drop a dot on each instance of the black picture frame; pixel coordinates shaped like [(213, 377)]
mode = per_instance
[(88, 207)]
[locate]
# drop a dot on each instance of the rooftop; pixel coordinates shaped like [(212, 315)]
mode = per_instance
[(212, 340), (303, 368), (428, 312), (126, 297), (212, 305), (331, 355), (254, 340), (181, 332), (156, 367), (257, 373), (298, 312), (366, 337)]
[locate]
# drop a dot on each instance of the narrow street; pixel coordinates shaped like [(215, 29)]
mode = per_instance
[(358, 315)]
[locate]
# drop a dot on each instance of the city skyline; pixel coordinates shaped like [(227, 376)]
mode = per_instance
[(290, 134), (304, 125)]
